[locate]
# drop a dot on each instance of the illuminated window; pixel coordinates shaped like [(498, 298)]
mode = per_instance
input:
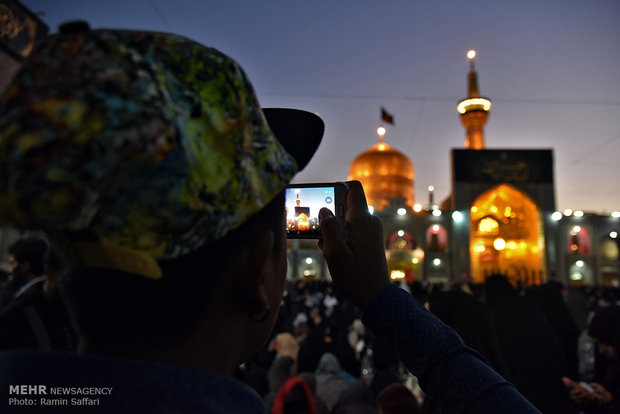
[(488, 226)]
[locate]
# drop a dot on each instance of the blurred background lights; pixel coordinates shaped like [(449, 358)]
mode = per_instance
[(471, 54), (613, 235), (457, 216), (401, 233), (371, 209), (417, 207), (568, 212), (401, 211), (397, 275), (499, 243), (615, 214), (436, 261), (437, 212), (556, 216), (579, 263), (309, 260), (578, 213)]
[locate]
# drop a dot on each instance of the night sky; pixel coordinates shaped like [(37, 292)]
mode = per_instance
[(551, 68)]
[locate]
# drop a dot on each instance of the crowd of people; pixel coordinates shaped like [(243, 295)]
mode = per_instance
[(538, 337), (541, 338), (158, 179)]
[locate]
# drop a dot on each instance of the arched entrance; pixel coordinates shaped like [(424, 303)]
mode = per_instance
[(506, 236)]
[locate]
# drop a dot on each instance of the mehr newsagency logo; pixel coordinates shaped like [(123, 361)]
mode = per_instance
[(43, 395)]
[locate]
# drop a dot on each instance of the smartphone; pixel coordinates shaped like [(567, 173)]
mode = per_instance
[(303, 202), (586, 386)]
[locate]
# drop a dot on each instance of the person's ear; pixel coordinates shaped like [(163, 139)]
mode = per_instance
[(251, 273)]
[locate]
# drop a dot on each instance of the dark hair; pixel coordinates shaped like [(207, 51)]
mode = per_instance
[(30, 250), (114, 306)]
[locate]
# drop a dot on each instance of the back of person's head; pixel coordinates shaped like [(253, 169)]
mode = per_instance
[(397, 399), (30, 250), (152, 169), (294, 397)]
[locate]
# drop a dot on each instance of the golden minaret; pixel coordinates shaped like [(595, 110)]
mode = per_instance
[(474, 109)]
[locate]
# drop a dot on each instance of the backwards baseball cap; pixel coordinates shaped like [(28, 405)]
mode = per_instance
[(132, 147)]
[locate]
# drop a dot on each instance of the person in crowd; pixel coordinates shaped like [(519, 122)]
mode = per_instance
[(38, 319), (473, 320), (26, 265), (294, 397), (284, 364), (529, 346), (355, 398), (330, 380), (602, 395), (548, 299), (397, 399), (150, 165)]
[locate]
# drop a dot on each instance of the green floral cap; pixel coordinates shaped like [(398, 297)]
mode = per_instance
[(150, 143)]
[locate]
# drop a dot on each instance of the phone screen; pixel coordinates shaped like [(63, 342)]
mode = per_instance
[(302, 209)]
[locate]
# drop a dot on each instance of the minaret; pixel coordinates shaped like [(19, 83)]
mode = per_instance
[(474, 109)]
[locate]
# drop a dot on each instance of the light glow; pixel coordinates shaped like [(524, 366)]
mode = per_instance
[(473, 104), (471, 55), (437, 212), (576, 276), (417, 207), (436, 261), (381, 131), (415, 260), (568, 212), (575, 230), (615, 214), (435, 228), (579, 263), (371, 209), (401, 211), (556, 216), (309, 260), (499, 243), (457, 216), (613, 234), (488, 225), (431, 188), (401, 233), (578, 213), (397, 275)]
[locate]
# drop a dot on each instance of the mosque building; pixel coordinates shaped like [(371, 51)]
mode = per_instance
[(499, 218)]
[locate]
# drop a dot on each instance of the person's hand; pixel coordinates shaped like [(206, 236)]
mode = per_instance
[(285, 345), (354, 250), (601, 395), (577, 393)]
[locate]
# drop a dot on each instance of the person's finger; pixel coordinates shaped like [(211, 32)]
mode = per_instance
[(356, 201), (331, 231)]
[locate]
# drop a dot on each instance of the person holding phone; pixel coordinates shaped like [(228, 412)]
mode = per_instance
[(602, 395), (453, 376)]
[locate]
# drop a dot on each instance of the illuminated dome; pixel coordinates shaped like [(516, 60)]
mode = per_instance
[(385, 173)]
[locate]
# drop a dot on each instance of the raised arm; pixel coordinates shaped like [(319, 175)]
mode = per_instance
[(455, 377)]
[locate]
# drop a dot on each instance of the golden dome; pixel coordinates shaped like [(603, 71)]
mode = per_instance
[(385, 173)]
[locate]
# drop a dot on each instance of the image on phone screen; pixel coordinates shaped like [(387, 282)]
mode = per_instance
[(302, 209)]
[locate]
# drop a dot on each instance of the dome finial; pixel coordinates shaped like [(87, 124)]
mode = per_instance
[(471, 55), (381, 133)]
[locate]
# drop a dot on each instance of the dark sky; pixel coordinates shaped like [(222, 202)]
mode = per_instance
[(551, 68)]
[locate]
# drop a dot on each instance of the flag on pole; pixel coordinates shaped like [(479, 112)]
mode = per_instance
[(386, 116)]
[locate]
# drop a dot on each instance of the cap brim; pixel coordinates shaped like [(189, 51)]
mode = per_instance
[(299, 132)]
